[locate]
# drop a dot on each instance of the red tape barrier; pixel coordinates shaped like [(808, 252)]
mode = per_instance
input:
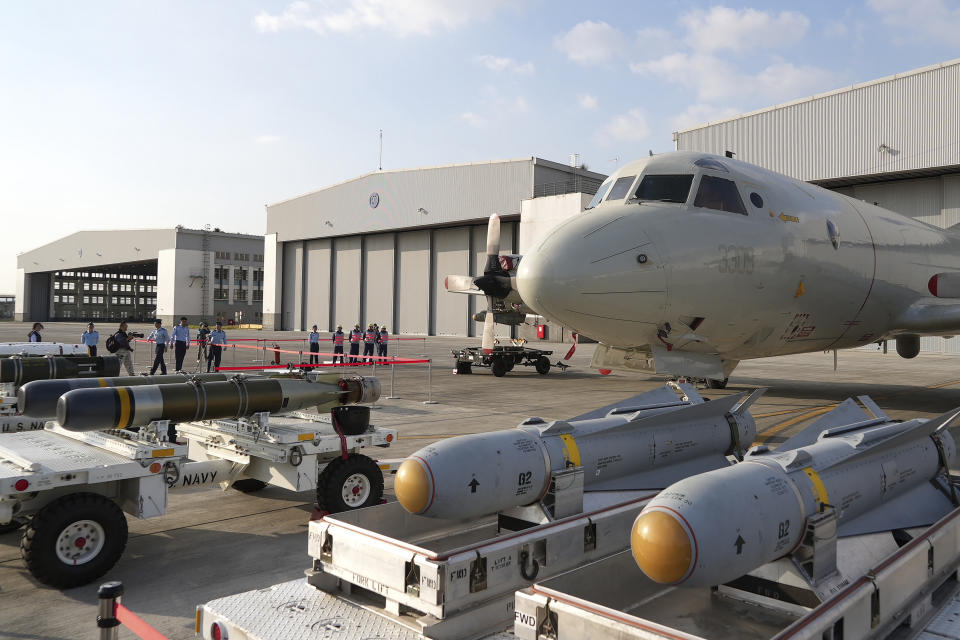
[(311, 366), (136, 624)]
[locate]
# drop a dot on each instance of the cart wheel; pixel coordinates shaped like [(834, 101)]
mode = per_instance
[(248, 485), (463, 367), (349, 484), (717, 384), (74, 540), (542, 365), (510, 362), (499, 367), (13, 525)]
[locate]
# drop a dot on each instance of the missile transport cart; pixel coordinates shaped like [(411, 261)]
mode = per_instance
[(70, 489), (503, 359)]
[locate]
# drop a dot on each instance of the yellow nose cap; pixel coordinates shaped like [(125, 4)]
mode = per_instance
[(661, 547), (412, 486)]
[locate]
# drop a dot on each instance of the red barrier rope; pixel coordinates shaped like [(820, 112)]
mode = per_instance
[(311, 366), (136, 624)]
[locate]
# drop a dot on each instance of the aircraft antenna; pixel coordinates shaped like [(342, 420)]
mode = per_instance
[(380, 153)]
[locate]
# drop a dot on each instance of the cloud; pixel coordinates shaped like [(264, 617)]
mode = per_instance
[(715, 79), (920, 19), (494, 63), (591, 42), (723, 28), (654, 41), (587, 101), (473, 119), (700, 114), (835, 29), (400, 19), (631, 127), (268, 139)]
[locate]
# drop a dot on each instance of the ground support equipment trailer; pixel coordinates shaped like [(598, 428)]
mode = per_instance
[(70, 489), (503, 359), (885, 586), (411, 576)]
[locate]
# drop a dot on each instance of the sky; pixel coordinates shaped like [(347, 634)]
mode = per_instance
[(135, 114)]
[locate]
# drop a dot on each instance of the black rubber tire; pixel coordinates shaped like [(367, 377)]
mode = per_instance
[(330, 484), (543, 365), (249, 485), (717, 384), (38, 544), (499, 367), (510, 362)]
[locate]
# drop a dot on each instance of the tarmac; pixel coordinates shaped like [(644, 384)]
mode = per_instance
[(213, 543)]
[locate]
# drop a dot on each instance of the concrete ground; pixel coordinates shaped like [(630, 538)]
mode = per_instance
[(214, 543)]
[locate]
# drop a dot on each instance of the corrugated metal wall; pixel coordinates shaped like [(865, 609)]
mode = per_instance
[(915, 115)]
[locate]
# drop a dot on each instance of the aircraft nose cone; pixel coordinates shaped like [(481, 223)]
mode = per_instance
[(661, 546), (539, 283), (412, 486), (597, 274)]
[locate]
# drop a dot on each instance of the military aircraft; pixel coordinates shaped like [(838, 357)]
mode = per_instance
[(686, 263)]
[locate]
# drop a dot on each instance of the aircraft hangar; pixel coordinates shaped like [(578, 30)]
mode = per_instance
[(894, 142), (377, 248)]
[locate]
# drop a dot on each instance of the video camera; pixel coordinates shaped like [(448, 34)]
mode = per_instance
[(134, 334)]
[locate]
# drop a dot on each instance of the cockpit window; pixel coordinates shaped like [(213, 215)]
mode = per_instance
[(620, 188), (602, 191), (664, 188), (720, 194)]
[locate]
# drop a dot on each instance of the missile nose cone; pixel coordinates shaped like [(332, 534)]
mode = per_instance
[(412, 486), (662, 546)]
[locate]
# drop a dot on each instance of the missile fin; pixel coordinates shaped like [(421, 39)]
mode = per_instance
[(750, 399), (907, 432), (921, 506), (848, 412), (660, 478), (717, 408), (658, 397), (872, 407)]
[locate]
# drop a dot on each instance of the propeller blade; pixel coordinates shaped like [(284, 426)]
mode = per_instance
[(459, 283), (493, 243), (488, 326)]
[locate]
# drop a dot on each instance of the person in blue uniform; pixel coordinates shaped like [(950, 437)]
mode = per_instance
[(314, 340), (218, 338), (90, 338), (181, 342), (160, 337)]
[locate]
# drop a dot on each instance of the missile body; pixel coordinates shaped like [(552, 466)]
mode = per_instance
[(8, 349), (121, 407), (38, 399), (479, 474), (22, 370), (717, 526)]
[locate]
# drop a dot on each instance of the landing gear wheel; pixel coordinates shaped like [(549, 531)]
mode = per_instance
[(74, 540), (499, 367), (543, 365), (717, 384), (349, 484), (248, 485)]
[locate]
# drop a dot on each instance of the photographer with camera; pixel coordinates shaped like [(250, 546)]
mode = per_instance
[(120, 344)]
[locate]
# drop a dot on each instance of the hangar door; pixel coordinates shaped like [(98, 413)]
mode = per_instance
[(413, 301), (451, 250)]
